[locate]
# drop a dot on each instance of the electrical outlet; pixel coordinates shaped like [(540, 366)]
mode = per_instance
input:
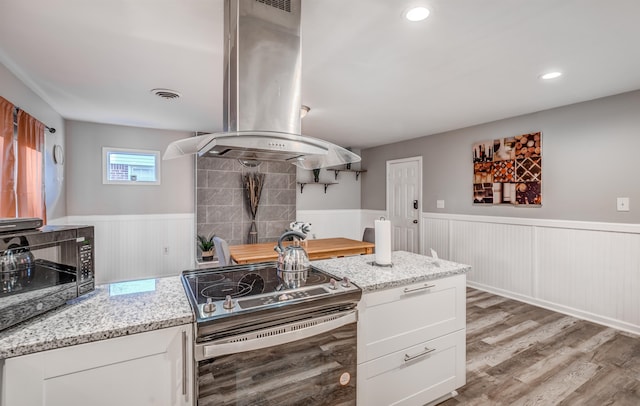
[(623, 204), (440, 204)]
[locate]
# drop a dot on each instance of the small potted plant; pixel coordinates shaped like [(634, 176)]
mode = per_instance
[(206, 245)]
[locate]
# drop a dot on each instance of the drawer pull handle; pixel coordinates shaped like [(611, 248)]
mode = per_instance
[(426, 286), (426, 351)]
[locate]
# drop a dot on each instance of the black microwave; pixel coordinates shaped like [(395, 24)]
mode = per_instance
[(41, 269)]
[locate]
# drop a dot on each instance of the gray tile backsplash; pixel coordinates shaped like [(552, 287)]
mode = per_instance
[(222, 207)]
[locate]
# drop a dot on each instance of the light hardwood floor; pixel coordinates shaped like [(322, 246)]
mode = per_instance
[(519, 354)]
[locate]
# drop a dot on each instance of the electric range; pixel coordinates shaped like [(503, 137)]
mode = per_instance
[(236, 299)]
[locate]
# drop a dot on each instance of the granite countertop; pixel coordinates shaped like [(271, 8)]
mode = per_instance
[(112, 310), (125, 308), (407, 268)]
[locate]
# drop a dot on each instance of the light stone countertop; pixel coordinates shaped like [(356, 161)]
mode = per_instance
[(407, 268), (102, 314)]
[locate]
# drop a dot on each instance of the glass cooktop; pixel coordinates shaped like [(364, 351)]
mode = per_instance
[(235, 289)]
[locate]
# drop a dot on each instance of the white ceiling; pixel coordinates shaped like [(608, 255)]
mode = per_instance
[(369, 76)]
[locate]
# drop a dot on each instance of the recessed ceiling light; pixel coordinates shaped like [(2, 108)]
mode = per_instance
[(551, 75), (417, 14)]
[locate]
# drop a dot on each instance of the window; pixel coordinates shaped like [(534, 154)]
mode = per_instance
[(130, 166)]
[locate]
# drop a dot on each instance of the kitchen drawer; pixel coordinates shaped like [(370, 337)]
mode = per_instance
[(397, 318), (392, 380)]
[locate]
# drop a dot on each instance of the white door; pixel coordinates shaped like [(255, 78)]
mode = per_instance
[(404, 194)]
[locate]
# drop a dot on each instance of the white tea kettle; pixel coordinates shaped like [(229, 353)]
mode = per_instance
[(293, 261)]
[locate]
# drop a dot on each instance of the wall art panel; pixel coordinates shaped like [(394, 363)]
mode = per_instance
[(508, 170)]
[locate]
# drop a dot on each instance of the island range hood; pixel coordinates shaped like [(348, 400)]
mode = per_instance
[(262, 92)]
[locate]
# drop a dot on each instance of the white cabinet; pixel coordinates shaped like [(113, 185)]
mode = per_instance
[(411, 342), (415, 375), (151, 368)]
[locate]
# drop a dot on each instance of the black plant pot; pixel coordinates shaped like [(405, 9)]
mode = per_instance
[(207, 256)]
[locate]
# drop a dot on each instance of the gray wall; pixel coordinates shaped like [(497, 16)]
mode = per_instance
[(590, 154), (345, 194), (222, 205), (86, 195), (15, 91)]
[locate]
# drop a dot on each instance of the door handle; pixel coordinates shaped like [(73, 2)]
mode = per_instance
[(261, 340), (415, 221), (415, 204)]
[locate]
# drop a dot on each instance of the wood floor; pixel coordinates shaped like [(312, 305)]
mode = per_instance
[(519, 354)]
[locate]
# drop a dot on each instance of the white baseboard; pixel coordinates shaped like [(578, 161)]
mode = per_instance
[(569, 311)]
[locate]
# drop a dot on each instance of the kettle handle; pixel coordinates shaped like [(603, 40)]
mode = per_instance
[(289, 234)]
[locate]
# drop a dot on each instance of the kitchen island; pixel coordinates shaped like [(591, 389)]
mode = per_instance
[(113, 311), (137, 336), (411, 327)]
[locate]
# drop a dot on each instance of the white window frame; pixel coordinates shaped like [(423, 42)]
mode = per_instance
[(105, 171)]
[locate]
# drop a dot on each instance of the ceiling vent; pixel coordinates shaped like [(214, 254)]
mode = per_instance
[(166, 94)]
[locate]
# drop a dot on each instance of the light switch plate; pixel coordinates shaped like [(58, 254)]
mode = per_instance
[(440, 204), (623, 204)]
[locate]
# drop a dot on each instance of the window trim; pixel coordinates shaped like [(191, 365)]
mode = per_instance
[(105, 171)]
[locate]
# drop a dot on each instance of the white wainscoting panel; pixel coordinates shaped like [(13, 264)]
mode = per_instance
[(586, 269), (435, 235), (140, 246), (368, 218), (592, 271), (332, 223), (499, 253)]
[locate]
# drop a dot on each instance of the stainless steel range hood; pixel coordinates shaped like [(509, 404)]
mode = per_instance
[(262, 87)]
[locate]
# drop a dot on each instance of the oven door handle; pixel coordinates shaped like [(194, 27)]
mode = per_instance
[(271, 337)]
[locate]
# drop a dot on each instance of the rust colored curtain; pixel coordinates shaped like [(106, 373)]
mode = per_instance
[(7, 161), (30, 185)]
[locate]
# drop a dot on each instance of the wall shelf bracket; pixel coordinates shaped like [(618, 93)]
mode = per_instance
[(325, 184), (356, 171)]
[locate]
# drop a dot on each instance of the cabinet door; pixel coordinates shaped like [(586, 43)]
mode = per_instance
[(152, 368), (394, 319), (416, 375)]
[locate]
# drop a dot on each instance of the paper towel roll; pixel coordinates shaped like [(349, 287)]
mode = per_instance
[(383, 242)]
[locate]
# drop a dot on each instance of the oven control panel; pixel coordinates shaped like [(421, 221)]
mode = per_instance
[(280, 297), (211, 309)]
